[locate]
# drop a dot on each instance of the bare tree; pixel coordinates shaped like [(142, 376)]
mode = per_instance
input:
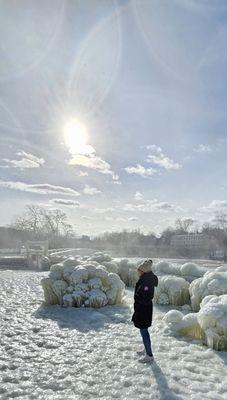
[(183, 225), (220, 221), (41, 222)]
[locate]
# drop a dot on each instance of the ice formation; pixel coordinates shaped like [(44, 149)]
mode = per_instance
[(172, 290), (191, 271), (209, 324), (188, 271), (104, 259), (128, 272), (212, 283), (165, 268), (87, 284), (100, 257)]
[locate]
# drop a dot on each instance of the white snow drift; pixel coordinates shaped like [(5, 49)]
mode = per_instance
[(212, 283), (171, 290), (209, 324), (86, 284)]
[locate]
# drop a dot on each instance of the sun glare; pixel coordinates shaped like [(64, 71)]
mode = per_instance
[(75, 137)]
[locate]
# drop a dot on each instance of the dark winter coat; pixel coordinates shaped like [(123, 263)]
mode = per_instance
[(143, 295)]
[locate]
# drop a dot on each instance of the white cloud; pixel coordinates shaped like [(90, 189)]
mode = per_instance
[(138, 196), (65, 202), (132, 219), (93, 162), (26, 161), (91, 190), (152, 206), (86, 217), (82, 173), (203, 148), (141, 171), (42, 188), (102, 210), (160, 159), (214, 206), (163, 161), (153, 147)]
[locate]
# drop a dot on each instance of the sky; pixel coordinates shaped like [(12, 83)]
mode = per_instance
[(114, 111)]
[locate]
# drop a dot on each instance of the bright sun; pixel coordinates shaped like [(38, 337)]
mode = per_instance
[(75, 137)]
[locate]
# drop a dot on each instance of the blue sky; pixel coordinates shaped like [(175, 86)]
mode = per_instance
[(145, 83)]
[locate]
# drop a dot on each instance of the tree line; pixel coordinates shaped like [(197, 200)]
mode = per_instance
[(39, 223)]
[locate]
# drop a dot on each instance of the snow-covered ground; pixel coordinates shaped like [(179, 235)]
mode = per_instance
[(49, 352)]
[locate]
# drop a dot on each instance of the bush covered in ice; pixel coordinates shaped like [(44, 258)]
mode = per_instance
[(100, 257), (171, 290), (209, 324), (222, 268), (87, 284), (191, 271), (188, 271), (128, 272), (165, 268), (212, 283)]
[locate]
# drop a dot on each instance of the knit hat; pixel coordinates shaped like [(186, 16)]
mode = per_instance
[(145, 266)]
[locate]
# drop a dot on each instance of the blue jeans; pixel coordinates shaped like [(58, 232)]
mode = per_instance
[(146, 341)]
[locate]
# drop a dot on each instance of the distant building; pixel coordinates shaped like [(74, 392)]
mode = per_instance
[(192, 241), (36, 250)]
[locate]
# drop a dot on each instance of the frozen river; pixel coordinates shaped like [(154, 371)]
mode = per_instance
[(48, 352)]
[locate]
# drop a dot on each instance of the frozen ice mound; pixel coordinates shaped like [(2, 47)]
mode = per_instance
[(87, 284), (191, 271), (104, 259), (100, 257), (171, 290), (188, 271), (212, 283), (165, 268), (209, 324)]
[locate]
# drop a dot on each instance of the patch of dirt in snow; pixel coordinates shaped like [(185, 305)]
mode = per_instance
[(49, 352)]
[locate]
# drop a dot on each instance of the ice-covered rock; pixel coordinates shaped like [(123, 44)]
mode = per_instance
[(86, 285), (212, 283), (209, 324), (171, 290)]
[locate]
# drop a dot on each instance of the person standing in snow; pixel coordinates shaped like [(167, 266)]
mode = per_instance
[(143, 306)]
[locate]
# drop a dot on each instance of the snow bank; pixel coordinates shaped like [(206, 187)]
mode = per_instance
[(82, 285), (172, 290), (209, 324), (212, 283)]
